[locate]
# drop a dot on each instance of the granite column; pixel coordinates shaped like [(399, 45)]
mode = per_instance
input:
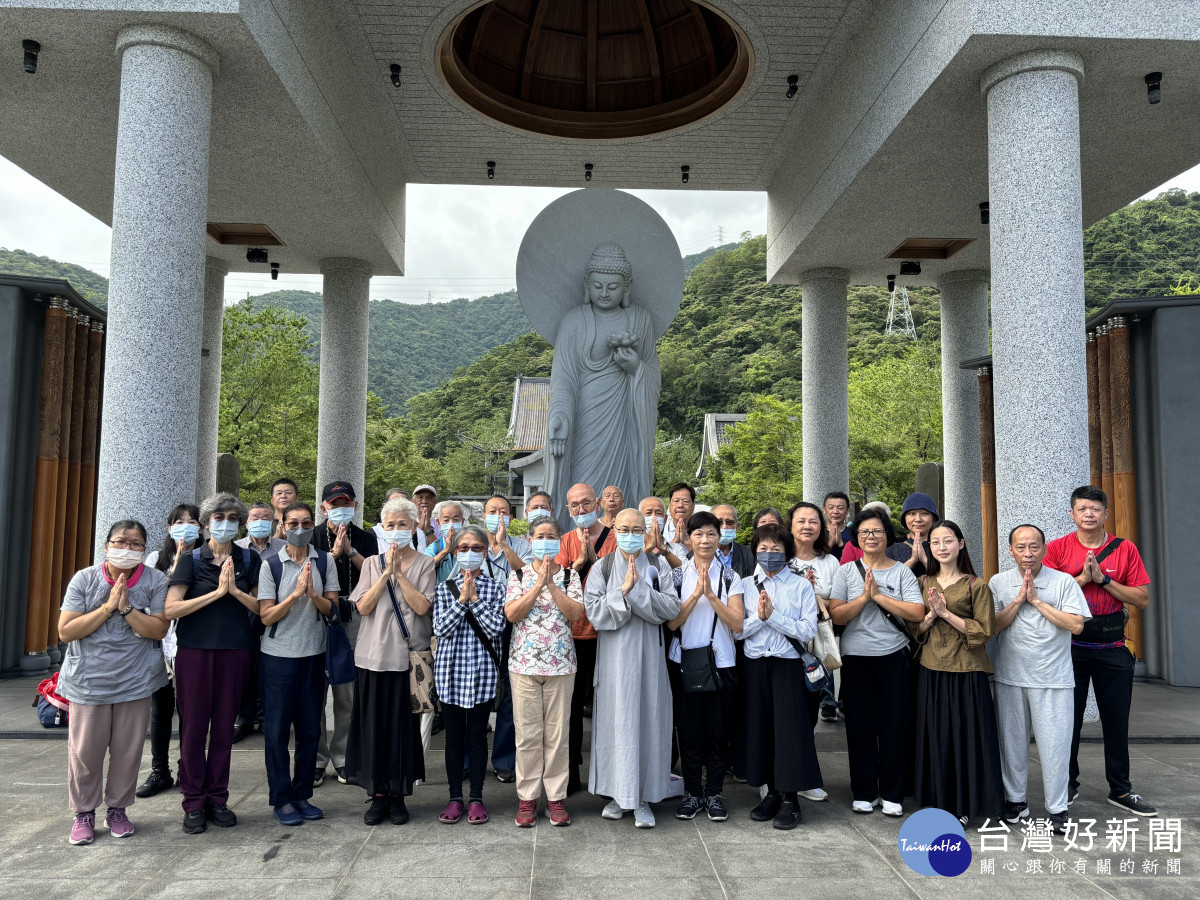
[(342, 416), (826, 372), (215, 271), (1038, 339), (965, 335), (147, 458)]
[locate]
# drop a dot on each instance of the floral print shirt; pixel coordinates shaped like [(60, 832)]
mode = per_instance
[(542, 642)]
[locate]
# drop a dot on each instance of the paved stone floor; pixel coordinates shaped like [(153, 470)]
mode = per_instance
[(833, 854)]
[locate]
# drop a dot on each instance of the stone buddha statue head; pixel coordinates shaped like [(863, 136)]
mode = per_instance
[(608, 279)]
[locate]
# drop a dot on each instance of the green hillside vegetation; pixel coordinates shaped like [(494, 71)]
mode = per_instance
[(89, 285), (441, 375)]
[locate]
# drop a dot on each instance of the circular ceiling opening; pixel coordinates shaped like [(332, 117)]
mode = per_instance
[(595, 69)]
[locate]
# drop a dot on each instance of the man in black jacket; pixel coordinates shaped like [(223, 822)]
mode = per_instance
[(350, 547)]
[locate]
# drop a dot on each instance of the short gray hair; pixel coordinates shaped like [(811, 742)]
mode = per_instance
[(222, 502), (475, 530), (462, 510), (259, 504), (399, 505), (392, 492)]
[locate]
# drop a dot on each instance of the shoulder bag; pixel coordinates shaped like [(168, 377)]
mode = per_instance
[(817, 678), (1108, 628), (420, 662), (698, 665), (912, 645), (502, 686)]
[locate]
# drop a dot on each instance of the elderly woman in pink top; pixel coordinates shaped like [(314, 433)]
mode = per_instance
[(543, 601)]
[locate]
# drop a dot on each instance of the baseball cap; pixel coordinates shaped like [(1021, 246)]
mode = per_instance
[(336, 489), (424, 487)]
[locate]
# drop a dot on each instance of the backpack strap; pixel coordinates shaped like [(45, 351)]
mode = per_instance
[(1105, 552), (888, 614), (275, 564), (475, 626), (601, 539)]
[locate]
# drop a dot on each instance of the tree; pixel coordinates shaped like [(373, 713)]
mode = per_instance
[(393, 458), (269, 388), (761, 465), (895, 423), (675, 460)]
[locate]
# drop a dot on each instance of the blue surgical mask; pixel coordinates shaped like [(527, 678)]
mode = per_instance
[(299, 537), (587, 520), (631, 543), (771, 560), (223, 532), (402, 537), (493, 522), (536, 513), (545, 548), (340, 515), (728, 535), (470, 560), (259, 528), (185, 531)]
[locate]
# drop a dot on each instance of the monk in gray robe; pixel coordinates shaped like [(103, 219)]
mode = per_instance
[(631, 718)]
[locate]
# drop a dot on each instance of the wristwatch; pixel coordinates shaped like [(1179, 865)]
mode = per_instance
[(1107, 579), (124, 612)]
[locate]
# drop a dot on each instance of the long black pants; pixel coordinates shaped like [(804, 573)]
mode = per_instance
[(1111, 671), (466, 739), (877, 703), (705, 720), (162, 723), (585, 673)]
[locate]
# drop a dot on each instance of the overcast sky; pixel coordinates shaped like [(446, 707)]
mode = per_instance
[(463, 244)]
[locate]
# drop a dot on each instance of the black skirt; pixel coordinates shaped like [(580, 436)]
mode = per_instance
[(779, 746), (383, 750), (957, 745)]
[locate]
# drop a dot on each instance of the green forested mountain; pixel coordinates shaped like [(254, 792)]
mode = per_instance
[(92, 287)]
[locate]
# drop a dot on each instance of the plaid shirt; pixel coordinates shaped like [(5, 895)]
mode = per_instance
[(463, 671)]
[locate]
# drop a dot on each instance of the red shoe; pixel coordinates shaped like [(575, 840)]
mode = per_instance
[(452, 813), (476, 813), (527, 814), (557, 810)]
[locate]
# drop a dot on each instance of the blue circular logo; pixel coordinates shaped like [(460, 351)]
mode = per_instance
[(932, 842)]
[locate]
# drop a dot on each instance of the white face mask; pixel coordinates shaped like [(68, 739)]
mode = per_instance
[(650, 520), (403, 537), (123, 559)]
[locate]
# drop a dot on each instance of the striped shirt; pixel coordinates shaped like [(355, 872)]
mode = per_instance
[(463, 671)]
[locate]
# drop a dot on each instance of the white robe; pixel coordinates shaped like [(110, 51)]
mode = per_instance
[(631, 712)]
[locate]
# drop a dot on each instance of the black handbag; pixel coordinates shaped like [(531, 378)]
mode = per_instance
[(1110, 627), (698, 666)]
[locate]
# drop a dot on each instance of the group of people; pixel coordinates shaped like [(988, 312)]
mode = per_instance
[(690, 648)]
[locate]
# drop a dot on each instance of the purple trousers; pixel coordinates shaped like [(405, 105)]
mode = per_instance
[(208, 690)]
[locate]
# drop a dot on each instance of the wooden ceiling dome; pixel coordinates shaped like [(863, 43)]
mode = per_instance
[(595, 69)]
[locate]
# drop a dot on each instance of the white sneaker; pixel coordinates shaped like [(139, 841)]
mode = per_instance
[(613, 810), (816, 795), (892, 809), (643, 816), (864, 806)]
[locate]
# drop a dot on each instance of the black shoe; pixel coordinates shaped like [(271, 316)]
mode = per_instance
[(377, 811), (689, 807), (398, 812), (829, 712), (155, 783), (768, 809), (341, 774), (318, 777), (1072, 793), (506, 776), (1133, 803), (789, 816), (222, 816), (1058, 821), (716, 808), (241, 729), (1015, 812), (195, 822), (587, 711)]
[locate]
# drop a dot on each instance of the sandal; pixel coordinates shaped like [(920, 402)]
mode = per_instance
[(452, 813), (476, 813)]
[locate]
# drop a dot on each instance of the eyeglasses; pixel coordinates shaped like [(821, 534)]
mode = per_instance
[(875, 532), (583, 505), (127, 545), (728, 523), (466, 548), (637, 531)]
